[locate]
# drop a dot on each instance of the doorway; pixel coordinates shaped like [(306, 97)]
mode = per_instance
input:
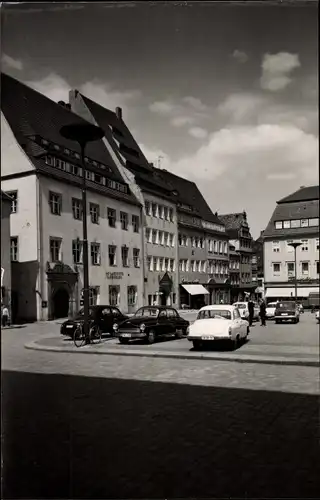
[(61, 304)]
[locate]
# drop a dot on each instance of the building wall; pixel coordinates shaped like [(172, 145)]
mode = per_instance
[(13, 158), (281, 253), (68, 229), (5, 252)]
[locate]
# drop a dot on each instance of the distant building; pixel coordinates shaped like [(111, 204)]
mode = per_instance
[(6, 205), (257, 266), (234, 271), (295, 219), (238, 230)]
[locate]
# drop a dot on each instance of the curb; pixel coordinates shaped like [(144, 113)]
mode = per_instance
[(167, 355)]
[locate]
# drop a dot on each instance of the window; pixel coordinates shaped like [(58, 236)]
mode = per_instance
[(55, 249), (295, 223), (135, 223), (77, 251), (304, 223), (60, 164), (278, 224), (154, 236), (150, 263), (74, 169), (161, 263), (14, 248), (161, 237), (154, 209), (317, 267), (317, 244), (77, 208), (148, 208), (168, 239), (95, 254), (289, 247), (124, 221), (172, 265), (157, 260), (286, 224), (172, 240), (124, 256), (112, 255), (276, 246), (276, 268), (148, 235), (314, 222), (290, 269), (112, 217), (55, 202), (166, 264), (114, 293), (94, 213), (304, 245), (136, 257), (14, 203), (161, 213), (89, 175), (94, 292), (171, 214), (132, 295), (166, 212), (305, 268)]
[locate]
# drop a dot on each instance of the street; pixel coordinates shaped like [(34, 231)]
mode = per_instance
[(97, 426)]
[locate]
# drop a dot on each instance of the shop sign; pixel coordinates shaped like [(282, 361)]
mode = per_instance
[(114, 276)]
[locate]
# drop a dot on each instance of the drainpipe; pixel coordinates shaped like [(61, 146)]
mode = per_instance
[(39, 245), (142, 218)]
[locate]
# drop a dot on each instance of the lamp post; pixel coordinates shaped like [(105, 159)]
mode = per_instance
[(82, 133), (295, 245)]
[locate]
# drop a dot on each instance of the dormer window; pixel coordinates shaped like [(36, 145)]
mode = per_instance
[(175, 193), (76, 155), (86, 159), (66, 151), (44, 142), (94, 163), (56, 146)]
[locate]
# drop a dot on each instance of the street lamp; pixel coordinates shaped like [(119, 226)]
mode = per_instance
[(295, 245), (82, 133)]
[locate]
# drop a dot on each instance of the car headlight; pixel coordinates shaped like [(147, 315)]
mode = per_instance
[(115, 327), (142, 327)]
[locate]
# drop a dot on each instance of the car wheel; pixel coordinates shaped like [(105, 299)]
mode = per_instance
[(151, 337), (179, 333), (123, 341), (197, 344), (277, 321)]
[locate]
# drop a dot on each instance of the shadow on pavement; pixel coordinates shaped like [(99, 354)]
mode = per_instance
[(81, 437)]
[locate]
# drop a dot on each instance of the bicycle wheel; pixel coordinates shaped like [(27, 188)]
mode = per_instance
[(95, 334), (79, 338)]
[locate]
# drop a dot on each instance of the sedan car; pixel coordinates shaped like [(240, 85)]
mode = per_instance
[(218, 323), (287, 311), (270, 310), (149, 322), (244, 310), (103, 316)]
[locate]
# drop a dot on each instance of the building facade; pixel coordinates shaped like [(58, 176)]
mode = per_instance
[(42, 172), (295, 219), (6, 207), (234, 270)]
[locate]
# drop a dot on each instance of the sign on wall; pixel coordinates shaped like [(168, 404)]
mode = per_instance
[(114, 276)]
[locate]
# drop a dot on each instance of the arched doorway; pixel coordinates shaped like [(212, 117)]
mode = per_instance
[(61, 303)]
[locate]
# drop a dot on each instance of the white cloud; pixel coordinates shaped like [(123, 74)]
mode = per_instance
[(181, 112), (153, 155), (163, 107), (276, 70), (241, 106), (281, 176), (180, 121), (198, 132), (240, 56), (10, 62), (52, 86), (194, 102)]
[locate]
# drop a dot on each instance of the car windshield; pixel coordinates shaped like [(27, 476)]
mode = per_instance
[(214, 314), (240, 306), (147, 312), (272, 304), (80, 313), (286, 305)]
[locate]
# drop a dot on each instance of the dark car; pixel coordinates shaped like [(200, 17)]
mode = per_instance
[(150, 322), (103, 316), (287, 311)]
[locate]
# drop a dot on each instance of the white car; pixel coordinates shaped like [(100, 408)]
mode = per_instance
[(271, 309), (244, 311), (318, 316), (218, 323)]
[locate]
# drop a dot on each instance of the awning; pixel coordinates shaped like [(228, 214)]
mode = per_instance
[(195, 289), (290, 292)]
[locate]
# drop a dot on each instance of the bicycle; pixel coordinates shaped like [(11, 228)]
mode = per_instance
[(79, 337)]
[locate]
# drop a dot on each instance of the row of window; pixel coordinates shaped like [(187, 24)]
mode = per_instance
[(158, 237), (305, 268), (90, 176), (219, 247), (161, 264), (305, 245), (159, 211), (234, 264), (203, 266), (114, 297), (296, 223)]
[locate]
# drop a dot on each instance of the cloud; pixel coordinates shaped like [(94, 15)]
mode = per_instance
[(241, 106), (163, 107), (276, 70), (10, 62), (198, 132), (180, 121), (52, 86), (194, 102), (181, 112), (281, 176), (240, 56)]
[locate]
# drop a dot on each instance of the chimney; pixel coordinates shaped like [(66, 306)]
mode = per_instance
[(62, 103), (119, 113), (216, 214)]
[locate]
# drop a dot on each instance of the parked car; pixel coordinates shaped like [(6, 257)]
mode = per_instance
[(149, 322), (218, 323), (287, 311), (270, 310), (103, 316), (244, 311), (318, 316)]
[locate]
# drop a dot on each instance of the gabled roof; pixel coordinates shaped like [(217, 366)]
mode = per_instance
[(293, 211), (303, 194)]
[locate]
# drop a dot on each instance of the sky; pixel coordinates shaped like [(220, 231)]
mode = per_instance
[(223, 94)]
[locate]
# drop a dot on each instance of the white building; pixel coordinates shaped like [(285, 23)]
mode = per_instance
[(295, 219), (42, 172)]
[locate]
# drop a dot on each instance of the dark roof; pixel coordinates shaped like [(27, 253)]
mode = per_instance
[(233, 223), (293, 211), (303, 194), (31, 114), (5, 197)]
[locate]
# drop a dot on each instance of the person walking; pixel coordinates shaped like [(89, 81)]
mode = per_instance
[(5, 316), (263, 313), (251, 311)]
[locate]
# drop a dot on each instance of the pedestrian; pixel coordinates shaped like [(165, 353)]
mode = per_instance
[(263, 313), (251, 311), (5, 316)]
